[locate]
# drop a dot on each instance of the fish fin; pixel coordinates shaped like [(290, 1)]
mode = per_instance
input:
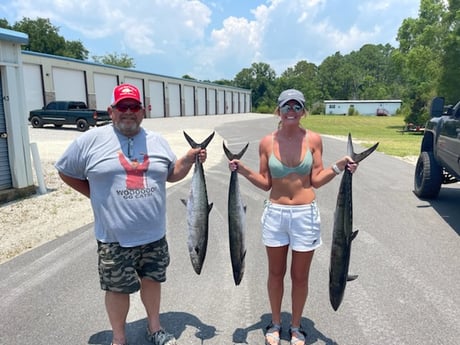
[(184, 201), (358, 157), (194, 144), (354, 234), (351, 277), (206, 142), (210, 207), (191, 142), (231, 155), (244, 208)]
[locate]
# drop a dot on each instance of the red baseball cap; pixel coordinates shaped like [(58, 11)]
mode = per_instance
[(125, 91)]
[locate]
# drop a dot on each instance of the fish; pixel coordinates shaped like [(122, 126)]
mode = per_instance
[(343, 233), (198, 209), (236, 220)]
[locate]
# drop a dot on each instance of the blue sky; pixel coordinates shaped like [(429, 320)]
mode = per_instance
[(212, 40)]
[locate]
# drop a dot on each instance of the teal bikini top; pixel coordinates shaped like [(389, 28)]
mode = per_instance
[(279, 170)]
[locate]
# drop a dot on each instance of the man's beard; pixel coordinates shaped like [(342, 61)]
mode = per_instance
[(126, 129)]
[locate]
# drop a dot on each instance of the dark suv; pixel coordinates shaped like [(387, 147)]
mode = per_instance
[(439, 160)]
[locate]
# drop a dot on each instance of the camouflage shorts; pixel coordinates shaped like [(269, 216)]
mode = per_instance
[(121, 268)]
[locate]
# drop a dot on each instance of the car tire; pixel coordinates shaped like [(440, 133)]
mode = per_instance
[(36, 122), (82, 125), (428, 176)]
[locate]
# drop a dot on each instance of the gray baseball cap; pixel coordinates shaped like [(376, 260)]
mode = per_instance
[(291, 94)]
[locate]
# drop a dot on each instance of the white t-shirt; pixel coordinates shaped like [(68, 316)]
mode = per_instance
[(127, 178)]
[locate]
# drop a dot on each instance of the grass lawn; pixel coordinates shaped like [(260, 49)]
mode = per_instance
[(368, 130)]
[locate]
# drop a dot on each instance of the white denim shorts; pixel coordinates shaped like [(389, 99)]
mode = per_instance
[(295, 225)]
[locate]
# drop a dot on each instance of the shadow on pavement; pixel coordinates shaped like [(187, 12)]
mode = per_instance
[(178, 322), (446, 205), (313, 335)]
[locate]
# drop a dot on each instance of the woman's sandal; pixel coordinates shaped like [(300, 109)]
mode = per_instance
[(298, 335), (273, 332)]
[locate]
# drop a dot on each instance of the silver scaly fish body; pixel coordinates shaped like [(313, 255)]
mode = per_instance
[(198, 210), (236, 220), (343, 233)]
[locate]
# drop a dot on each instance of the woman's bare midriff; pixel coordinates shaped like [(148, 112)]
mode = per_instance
[(292, 189)]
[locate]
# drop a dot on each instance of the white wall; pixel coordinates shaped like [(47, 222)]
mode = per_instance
[(201, 100), (174, 100), (189, 100), (103, 86), (69, 85), (156, 99), (33, 80)]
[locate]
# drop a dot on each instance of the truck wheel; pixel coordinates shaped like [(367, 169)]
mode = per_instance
[(36, 122), (428, 176), (82, 125)]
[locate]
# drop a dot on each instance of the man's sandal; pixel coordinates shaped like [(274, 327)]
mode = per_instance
[(273, 333), (298, 335)]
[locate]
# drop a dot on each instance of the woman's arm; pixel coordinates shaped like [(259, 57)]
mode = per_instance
[(262, 179), (320, 175)]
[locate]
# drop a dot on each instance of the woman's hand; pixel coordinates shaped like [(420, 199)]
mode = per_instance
[(233, 165), (347, 163)]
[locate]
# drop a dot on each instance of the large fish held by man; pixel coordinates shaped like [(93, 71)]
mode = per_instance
[(343, 233), (236, 220), (198, 210)]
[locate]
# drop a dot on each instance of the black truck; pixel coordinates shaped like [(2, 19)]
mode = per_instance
[(439, 160), (61, 113)]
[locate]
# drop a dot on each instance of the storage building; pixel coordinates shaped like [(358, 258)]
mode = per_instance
[(16, 177), (30, 80), (386, 107)]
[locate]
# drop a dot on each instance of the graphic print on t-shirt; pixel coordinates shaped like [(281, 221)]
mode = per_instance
[(135, 171)]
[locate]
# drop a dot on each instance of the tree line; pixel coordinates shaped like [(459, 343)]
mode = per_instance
[(426, 64)]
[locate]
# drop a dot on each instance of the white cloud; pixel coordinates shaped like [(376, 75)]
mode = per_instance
[(214, 39)]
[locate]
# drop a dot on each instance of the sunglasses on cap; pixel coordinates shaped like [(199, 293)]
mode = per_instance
[(286, 108), (124, 107)]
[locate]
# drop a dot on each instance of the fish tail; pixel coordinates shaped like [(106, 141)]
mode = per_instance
[(232, 156), (358, 157), (202, 145)]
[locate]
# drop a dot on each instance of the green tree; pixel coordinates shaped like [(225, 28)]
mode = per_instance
[(420, 57), (371, 77), (450, 75), (333, 76), (186, 76), (113, 59), (4, 24), (260, 78), (75, 50), (44, 38), (304, 76), (224, 82)]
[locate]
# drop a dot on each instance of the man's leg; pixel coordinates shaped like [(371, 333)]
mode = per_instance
[(151, 296), (117, 306)]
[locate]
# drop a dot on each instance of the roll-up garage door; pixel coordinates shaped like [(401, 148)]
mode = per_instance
[(5, 171)]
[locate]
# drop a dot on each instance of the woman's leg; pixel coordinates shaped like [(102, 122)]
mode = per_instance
[(300, 270), (275, 283)]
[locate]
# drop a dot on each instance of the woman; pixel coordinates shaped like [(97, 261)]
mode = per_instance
[(291, 166)]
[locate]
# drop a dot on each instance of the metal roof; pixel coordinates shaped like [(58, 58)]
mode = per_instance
[(13, 36)]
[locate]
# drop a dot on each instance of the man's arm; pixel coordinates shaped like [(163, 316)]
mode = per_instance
[(81, 186)]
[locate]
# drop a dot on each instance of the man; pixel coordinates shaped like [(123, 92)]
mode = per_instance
[(123, 169)]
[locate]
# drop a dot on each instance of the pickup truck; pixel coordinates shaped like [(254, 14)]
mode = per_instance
[(439, 159), (61, 113)]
